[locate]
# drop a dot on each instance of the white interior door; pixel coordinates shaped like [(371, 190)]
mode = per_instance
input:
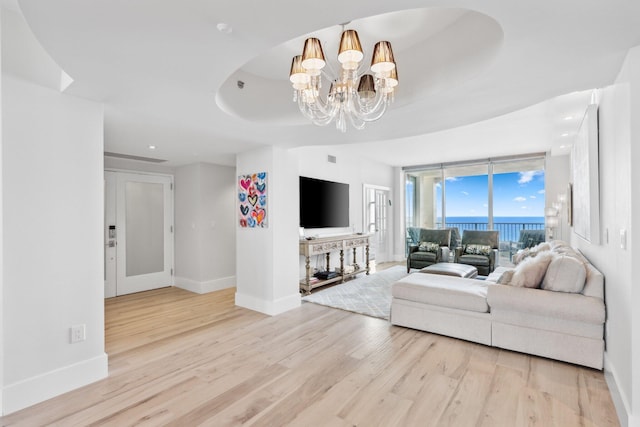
[(141, 238), (377, 221)]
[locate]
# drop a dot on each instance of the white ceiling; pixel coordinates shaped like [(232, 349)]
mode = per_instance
[(168, 77)]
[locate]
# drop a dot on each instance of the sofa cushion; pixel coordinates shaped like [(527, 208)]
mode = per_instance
[(565, 274), (474, 259), (530, 272), (444, 291), (424, 256)]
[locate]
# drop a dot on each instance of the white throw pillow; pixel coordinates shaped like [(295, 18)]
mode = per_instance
[(529, 273), (565, 274)]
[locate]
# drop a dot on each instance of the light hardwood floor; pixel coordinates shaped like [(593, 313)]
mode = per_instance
[(181, 359)]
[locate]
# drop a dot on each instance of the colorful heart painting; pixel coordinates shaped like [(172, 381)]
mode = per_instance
[(252, 198)]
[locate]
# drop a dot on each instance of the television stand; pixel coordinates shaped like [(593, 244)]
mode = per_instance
[(326, 245)]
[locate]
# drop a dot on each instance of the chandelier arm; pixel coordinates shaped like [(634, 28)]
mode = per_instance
[(311, 110), (317, 116), (369, 112), (356, 122), (305, 108), (325, 107)]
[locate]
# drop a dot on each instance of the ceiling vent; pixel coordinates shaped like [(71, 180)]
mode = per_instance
[(132, 157), (332, 159)]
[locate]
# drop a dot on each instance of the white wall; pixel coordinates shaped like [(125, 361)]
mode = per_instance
[(205, 227), (619, 182), (53, 245), (266, 273)]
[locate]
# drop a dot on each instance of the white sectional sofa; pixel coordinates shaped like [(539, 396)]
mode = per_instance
[(563, 321)]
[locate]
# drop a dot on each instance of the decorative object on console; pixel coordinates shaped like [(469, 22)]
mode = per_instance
[(252, 200), (359, 99)]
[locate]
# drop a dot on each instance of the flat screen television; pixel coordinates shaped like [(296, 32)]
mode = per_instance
[(323, 203)]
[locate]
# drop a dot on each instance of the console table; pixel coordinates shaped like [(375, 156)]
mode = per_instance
[(326, 245)]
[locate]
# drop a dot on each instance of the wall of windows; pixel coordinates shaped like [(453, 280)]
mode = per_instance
[(504, 194)]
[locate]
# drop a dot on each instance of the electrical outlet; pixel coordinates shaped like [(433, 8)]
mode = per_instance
[(78, 333)]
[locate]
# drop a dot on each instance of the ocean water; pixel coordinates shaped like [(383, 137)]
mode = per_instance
[(508, 226), (496, 219)]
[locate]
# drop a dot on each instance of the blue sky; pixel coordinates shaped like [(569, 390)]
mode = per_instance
[(514, 194)]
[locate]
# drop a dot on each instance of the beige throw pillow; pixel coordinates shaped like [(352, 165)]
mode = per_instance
[(565, 274), (530, 272)]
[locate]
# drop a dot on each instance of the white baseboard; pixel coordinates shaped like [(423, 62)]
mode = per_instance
[(204, 287), (620, 400), (50, 384), (272, 308)]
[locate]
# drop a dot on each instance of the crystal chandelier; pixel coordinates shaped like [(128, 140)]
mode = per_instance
[(358, 99)]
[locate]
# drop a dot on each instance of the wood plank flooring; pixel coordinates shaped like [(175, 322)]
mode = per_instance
[(181, 359)]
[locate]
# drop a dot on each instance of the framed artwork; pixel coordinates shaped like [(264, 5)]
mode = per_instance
[(586, 190), (252, 200)]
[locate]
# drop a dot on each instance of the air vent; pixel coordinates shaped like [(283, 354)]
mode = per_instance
[(131, 157), (331, 159)]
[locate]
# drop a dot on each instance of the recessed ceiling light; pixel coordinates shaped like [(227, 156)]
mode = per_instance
[(568, 118), (563, 146), (565, 134), (224, 28), (152, 147)]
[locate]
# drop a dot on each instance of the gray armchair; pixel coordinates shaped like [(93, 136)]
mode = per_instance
[(468, 253), (423, 257)]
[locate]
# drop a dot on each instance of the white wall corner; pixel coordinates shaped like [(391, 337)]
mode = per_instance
[(206, 286), (271, 308), (37, 389)]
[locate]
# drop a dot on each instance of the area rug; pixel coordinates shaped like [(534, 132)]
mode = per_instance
[(369, 295)]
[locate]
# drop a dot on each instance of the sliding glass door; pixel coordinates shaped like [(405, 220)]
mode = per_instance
[(498, 194), (466, 197), (518, 203)]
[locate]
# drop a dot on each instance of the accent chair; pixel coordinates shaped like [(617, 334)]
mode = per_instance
[(480, 249), (429, 246)]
